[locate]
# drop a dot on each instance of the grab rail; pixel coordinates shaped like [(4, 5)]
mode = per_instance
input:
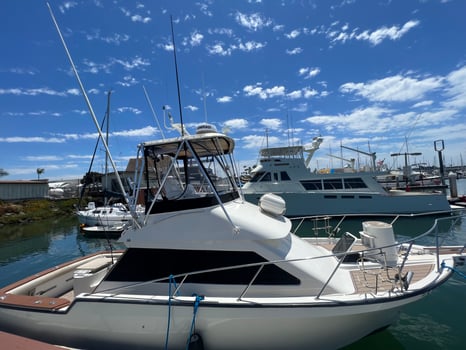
[(406, 245)]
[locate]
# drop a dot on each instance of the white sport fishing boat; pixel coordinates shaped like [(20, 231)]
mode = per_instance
[(284, 171), (206, 269)]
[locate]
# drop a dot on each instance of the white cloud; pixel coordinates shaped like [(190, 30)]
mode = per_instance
[(309, 72), (129, 110), (32, 92), (273, 123), (258, 90), (294, 94), (224, 99), (254, 141), (191, 108), (67, 5), (295, 51), (456, 88), (238, 123), (293, 34), (218, 49), (395, 88), (253, 21), (33, 139), (374, 37), (196, 39)]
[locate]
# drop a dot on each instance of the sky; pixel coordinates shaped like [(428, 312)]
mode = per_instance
[(375, 76)]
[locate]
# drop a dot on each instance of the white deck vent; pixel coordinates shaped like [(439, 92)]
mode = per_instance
[(377, 234), (272, 204)]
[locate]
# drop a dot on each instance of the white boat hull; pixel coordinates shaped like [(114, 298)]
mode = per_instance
[(129, 325)]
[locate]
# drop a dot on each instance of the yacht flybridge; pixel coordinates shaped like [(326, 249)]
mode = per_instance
[(205, 269)]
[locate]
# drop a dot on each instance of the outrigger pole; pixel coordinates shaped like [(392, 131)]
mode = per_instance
[(94, 118)]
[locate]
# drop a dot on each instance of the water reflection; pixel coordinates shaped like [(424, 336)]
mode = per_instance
[(26, 249)]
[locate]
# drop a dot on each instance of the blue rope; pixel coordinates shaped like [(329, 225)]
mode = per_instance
[(171, 280), (196, 306), (452, 269)]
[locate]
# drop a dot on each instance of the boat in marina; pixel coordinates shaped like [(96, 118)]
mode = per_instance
[(111, 215), (103, 231), (205, 269), (284, 171)]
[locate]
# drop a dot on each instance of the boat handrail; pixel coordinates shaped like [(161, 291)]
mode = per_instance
[(405, 245)]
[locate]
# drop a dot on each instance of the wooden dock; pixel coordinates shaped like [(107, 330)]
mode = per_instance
[(11, 341)]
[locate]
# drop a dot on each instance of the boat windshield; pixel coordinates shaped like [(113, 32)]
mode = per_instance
[(190, 172)]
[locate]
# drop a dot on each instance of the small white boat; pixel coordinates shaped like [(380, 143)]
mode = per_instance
[(114, 231), (116, 214), (206, 269), (284, 171)]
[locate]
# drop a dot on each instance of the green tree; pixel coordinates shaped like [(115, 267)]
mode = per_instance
[(39, 172)]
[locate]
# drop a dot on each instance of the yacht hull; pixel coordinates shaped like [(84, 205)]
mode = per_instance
[(107, 324), (401, 203)]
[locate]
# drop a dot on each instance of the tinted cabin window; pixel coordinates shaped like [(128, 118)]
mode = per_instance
[(333, 184), (312, 185), (257, 176), (284, 176), (266, 178), (354, 183), (140, 265)]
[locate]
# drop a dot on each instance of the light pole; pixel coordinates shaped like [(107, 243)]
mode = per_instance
[(439, 146)]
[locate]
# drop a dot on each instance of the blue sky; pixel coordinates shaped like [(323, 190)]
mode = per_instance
[(380, 76)]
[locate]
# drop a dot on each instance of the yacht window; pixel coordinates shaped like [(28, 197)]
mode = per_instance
[(312, 185), (356, 182), (275, 176), (333, 184), (140, 265), (266, 178), (257, 176), (284, 175)]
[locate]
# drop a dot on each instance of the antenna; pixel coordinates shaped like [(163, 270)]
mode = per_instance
[(177, 78), (204, 97)]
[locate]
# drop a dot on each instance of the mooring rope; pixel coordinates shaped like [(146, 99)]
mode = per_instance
[(170, 282), (195, 308), (444, 266)]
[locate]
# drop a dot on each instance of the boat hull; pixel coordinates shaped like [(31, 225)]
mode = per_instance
[(302, 204), (122, 324)]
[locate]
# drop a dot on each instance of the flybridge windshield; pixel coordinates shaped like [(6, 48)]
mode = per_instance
[(191, 172)]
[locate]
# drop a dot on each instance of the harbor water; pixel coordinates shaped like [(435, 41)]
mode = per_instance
[(435, 322)]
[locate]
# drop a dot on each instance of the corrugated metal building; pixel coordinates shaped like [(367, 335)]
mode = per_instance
[(23, 189)]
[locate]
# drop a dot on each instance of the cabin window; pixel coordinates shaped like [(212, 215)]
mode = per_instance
[(141, 265), (356, 182), (284, 176), (266, 178), (275, 177), (333, 184), (312, 185), (257, 176)]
